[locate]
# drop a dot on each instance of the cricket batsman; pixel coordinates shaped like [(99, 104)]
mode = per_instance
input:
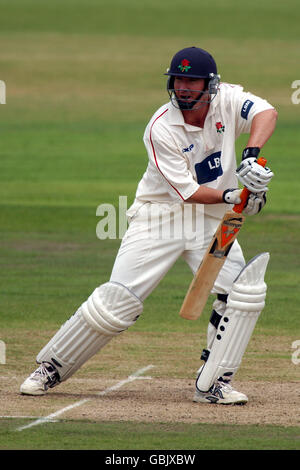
[(192, 170)]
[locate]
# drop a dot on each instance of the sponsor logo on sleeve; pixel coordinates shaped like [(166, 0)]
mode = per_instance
[(246, 108)]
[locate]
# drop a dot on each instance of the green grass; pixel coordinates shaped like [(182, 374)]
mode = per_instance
[(68, 435), (275, 19), (83, 79), (46, 273)]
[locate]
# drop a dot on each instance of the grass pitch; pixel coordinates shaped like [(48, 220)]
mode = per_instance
[(82, 81)]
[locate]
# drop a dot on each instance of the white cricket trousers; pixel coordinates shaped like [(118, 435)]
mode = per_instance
[(158, 234)]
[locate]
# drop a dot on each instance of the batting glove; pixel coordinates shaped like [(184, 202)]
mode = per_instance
[(254, 176), (232, 196), (255, 203)]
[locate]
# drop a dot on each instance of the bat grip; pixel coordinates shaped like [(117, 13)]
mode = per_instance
[(238, 208)]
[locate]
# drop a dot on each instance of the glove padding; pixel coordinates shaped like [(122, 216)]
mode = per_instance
[(232, 196), (255, 203), (254, 176)]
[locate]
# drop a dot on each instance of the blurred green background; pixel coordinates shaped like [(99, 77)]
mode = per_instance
[(82, 80)]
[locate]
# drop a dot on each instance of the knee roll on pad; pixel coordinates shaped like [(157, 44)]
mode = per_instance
[(244, 305), (109, 310)]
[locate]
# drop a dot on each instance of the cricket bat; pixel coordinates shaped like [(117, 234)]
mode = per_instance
[(214, 258)]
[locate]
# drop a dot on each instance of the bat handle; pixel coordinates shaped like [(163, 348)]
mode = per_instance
[(238, 208)]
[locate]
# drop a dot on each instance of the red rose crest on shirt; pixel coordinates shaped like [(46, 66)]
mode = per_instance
[(220, 127)]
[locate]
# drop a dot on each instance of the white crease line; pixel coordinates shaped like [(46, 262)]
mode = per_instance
[(118, 385), (23, 417)]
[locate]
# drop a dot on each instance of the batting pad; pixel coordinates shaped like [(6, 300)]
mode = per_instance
[(244, 305), (109, 310)]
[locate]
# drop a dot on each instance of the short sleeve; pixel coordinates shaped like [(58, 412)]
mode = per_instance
[(164, 155), (246, 105)]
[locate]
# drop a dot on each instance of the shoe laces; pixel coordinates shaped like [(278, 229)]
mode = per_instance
[(221, 385), (43, 372)]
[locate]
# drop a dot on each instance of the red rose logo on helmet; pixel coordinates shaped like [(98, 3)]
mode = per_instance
[(185, 65)]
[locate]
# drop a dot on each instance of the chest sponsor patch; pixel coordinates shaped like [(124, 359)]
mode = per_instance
[(246, 108), (210, 169)]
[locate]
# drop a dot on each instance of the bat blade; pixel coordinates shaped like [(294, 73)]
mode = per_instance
[(214, 258), (212, 263)]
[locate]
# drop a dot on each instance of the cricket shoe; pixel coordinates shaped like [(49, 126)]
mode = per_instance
[(44, 377), (221, 393)]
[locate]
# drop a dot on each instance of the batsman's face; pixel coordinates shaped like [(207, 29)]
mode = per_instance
[(187, 88)]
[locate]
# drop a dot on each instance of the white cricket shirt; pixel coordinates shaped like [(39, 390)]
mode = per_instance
[(182, 157)]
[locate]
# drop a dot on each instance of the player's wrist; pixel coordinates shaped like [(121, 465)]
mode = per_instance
[(250, 152)]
